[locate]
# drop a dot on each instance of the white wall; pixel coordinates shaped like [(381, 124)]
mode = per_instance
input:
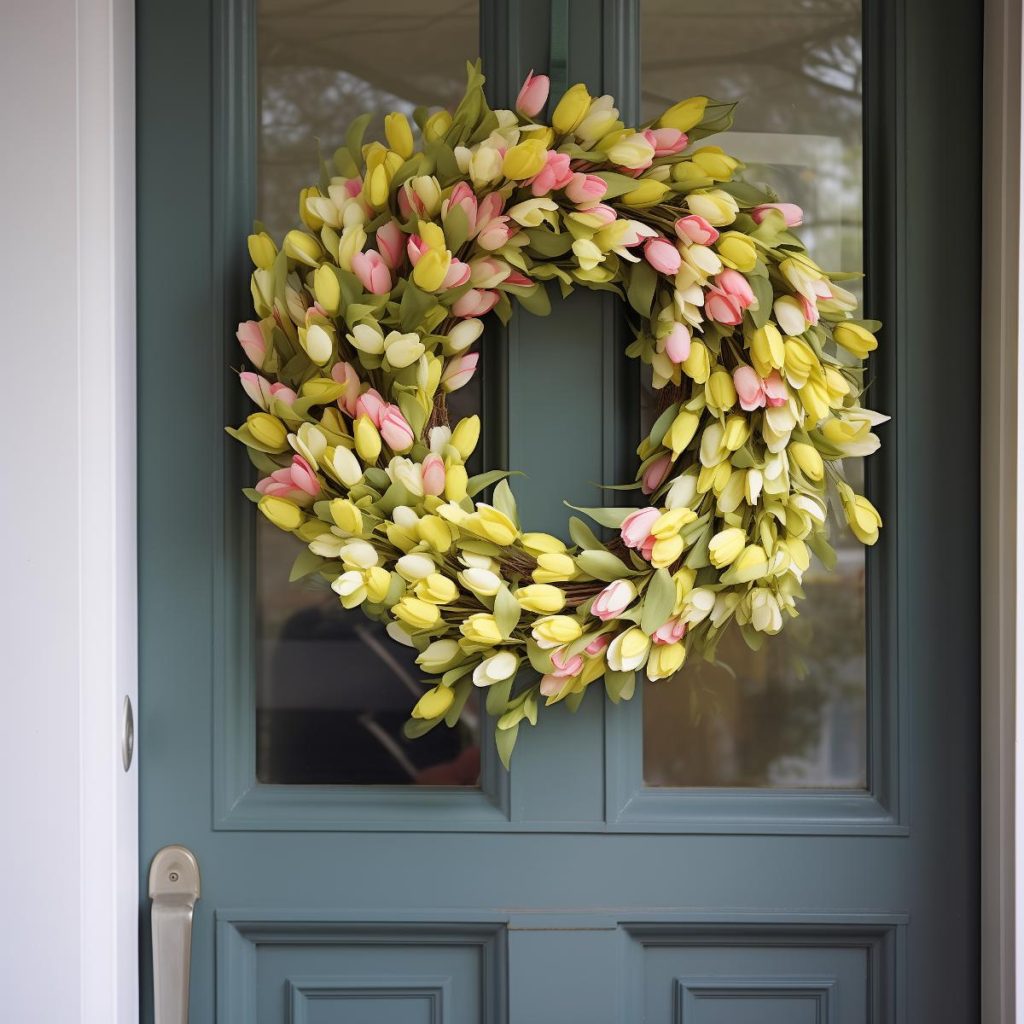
[(67, 520)]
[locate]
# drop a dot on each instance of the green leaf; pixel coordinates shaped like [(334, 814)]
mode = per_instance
[(603, 565), (547, 243), (413, 307), (611, 517), (354, 137), (534, 300), (583, 536), (305, 564), (497, 696), (619, 685), (505, 741), (454, 712), (618, 184), (456, 227), (482, 481), (505, 502), (765, 294), (643, 279), (507, 611), (414, 413), (659, 598), (414, 728), (820, 546)]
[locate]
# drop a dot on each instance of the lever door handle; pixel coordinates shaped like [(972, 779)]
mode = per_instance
[(173, 889)]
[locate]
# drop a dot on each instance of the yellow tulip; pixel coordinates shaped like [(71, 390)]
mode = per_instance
[(697, 365), (668, 524), (571, 109), (310, 219), (465, 436), (491, 524), (302, 247), (436, 589), (801, 362), (720, 390), (725, 547), (737, 430), (751, 564), (456, 480), (855, 339), (524, 160), (399, 134), (685, 114), (665, 660), (327, 289), (434, 531), (665, 552), (647, 193), (416, 614), (715, 163), (680, 432), (430, 272), (367, 437), (862, 516), (434, 703), (347, 516), (555, 630), (284, 514), (806, 456), (481, 628), (262, 250), (553, 567), (736, 250), (542, 544), (767, 350), (378, 583), (317, 343), (436, 126), (718, 208), (268, 430), (541, 598)]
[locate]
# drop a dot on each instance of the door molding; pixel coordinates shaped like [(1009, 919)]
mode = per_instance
[(1002, 523)]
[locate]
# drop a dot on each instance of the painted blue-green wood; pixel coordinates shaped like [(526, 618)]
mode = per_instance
[(699, 893)]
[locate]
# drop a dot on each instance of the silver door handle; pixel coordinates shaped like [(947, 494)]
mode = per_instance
[(174, 889)]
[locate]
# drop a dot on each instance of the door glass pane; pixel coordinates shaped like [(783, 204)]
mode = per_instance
[(333, 690), (794, 714)]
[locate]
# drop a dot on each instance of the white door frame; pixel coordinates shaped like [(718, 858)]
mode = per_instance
[(70, 857)]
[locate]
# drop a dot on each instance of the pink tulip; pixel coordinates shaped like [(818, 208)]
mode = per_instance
[(496, 233), (566, 666), (415, 247), (283, 393), (459, 371), (353, 186), (733, 283), (666, 141), (250, 337), (458, 275), (810, 309), (695, 229), (585, 188), (776, 391), (791, 213), (488, 208), (488, 272), (677, 343), (370, 403), (475, 302), (519, 280), (555, 174), (749, 388), (598, 644), (731, 294), (391, 242), (296, 482), (604, 214), (344, 373), (636, 527), (395, 429), (613, 600), (372, 271), (670, 633), (433, 474), (256, 387), (533, 95), (662, 255), (655, 474), (462, 196)]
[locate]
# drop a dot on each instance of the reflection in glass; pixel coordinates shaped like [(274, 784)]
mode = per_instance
[(333, 689), (793, 714)]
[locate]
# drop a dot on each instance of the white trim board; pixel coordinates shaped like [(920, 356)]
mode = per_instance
[(67, 206)]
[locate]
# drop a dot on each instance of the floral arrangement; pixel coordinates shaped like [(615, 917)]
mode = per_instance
[(367, 318)]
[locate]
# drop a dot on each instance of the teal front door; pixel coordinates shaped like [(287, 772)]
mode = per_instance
[(792, 838)]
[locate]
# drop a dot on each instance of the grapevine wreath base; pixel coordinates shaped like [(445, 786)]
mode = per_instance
[(366, 321)]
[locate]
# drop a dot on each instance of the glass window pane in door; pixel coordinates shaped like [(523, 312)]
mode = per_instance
[(792, 715), (333, 690)]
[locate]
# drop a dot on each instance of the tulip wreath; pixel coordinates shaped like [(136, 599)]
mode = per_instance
[(367, 317)]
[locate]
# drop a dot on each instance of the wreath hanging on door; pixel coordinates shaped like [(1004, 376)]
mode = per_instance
[(367, 319)]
